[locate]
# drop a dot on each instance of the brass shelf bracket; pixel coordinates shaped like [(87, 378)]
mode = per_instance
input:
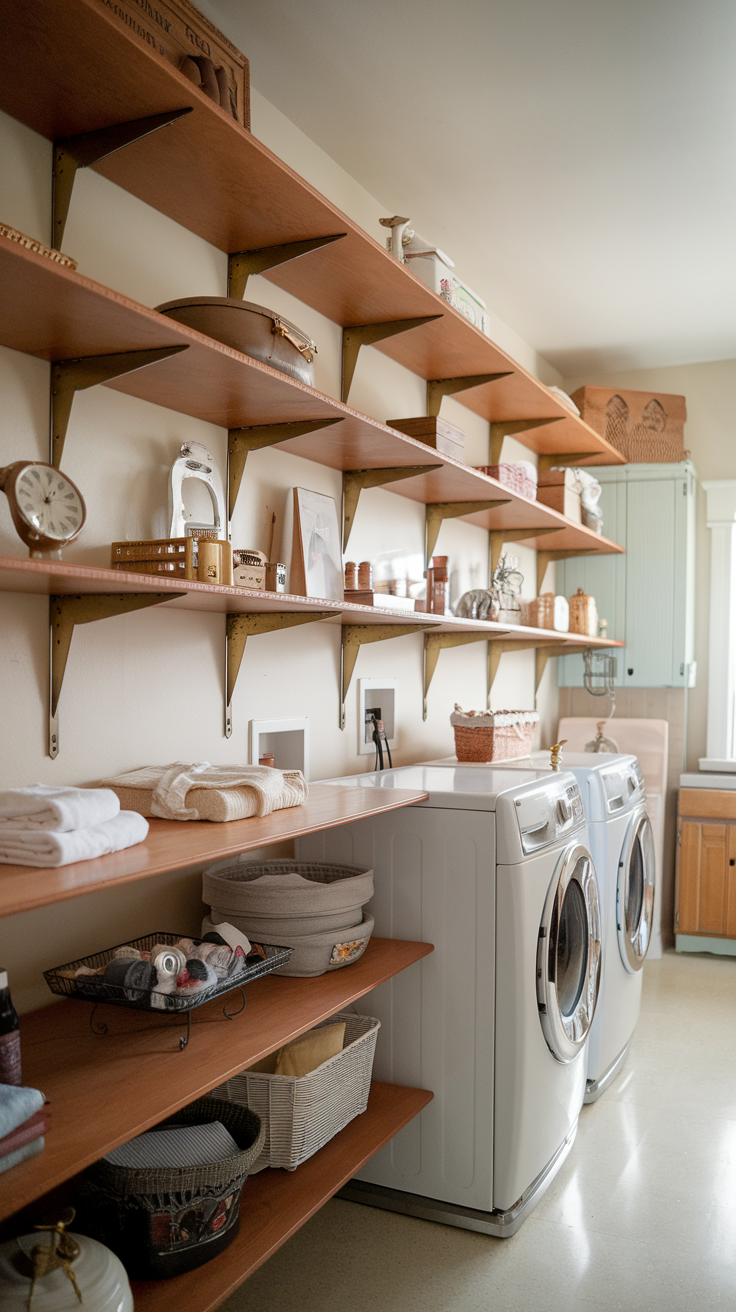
[(544, 558), (65, 612), (241, 441), (354, 636), (546, 462), (545, 654), (498, 536), (367, 334), (509, 428), (437, 388), (70, 376), (436, 512), (72, 153), (242, 627), (434, 643), (497, 649), (242, 264), (355, 480)]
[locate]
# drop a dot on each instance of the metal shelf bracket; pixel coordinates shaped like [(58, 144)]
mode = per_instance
[(437, 388), (367, 334), (498, 536), (353, 638), (242, 627), (241, 441), (70, 376), (355, 480), (509, 428), (72, 153), (241, 264), (546, 462), (545, 654), (65, 612), (434, 643), (436, 512), (544, 558)]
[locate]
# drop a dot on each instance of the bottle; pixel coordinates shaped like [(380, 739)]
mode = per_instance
[(9, 1036)]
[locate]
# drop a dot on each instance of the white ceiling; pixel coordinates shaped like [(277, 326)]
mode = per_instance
[(576, 158)]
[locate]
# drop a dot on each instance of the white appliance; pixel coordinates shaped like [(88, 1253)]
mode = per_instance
[(623, 851), (493, 869)]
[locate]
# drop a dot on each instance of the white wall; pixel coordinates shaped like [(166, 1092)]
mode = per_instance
[(148, 687)]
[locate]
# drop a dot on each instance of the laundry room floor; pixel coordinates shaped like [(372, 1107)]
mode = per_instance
[(642, 1215)]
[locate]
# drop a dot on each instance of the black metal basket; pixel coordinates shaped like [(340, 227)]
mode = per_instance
[(94, 988)]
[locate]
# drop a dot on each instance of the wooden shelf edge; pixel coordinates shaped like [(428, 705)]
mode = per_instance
[(174, 845), (275, 1204), (104, 1090)]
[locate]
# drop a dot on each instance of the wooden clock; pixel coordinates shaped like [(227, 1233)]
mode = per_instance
[(48, 510)]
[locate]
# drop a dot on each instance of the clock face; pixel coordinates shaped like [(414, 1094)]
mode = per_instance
[(49, 504)]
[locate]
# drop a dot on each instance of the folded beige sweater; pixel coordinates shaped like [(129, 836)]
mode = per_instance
[(208, 792)]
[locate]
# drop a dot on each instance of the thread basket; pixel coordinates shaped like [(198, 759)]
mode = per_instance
[(495, 735), (165, 1221), (300, 1114)]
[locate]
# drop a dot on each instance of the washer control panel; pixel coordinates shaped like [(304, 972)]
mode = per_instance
[(623, 786), (549, 814)]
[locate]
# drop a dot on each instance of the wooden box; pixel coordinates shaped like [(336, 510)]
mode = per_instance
[(437, 433), (646, 427), (183, 36), (559, 489), (173, 557)]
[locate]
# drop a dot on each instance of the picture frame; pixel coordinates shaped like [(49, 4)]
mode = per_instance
[(316, 555)]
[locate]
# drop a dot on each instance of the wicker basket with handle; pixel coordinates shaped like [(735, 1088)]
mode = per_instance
[(492, 735)]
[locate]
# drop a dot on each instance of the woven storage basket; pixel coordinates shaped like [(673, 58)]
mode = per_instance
[(329, 894), (312, 954), (166, 1221), (490, 739), (301, 1115)]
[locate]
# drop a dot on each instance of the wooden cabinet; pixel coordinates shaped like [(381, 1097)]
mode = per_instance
[(706, 876)]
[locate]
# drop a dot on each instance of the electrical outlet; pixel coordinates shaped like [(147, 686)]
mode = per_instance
[(376, 697)]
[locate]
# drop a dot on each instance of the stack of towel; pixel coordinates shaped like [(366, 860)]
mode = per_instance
[(23, 1124), (48, 826), (208, 792)]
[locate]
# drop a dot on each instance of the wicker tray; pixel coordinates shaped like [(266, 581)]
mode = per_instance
[(98, 990)]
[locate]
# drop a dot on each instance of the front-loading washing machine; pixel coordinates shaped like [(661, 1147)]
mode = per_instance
[(494, 869), (623, 850)]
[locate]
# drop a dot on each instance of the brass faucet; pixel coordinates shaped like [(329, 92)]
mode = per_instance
[(555, 752)]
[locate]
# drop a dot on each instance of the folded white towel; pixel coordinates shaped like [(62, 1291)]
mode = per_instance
[(47, 848), (272, 790), (45, 806)]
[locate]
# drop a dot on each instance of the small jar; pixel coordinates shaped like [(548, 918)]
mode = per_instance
[(365, 575), (542, 611), (351, 576), (267, 759), (583, 615)]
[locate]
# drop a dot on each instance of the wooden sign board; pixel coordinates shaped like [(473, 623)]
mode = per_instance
[(179, 33), (646, 427)]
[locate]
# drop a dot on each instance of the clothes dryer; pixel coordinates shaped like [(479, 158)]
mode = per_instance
[(623, 850), (495, 870)]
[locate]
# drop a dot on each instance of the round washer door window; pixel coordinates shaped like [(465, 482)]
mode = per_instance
[(635, 893), (569, 955)]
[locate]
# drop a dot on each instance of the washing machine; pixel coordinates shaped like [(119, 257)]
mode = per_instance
[(623, 850), (495, 870)]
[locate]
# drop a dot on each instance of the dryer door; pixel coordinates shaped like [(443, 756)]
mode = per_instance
[(635, 892), (569, 954)]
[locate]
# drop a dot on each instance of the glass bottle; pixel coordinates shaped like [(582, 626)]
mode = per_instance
[(9, 1036)]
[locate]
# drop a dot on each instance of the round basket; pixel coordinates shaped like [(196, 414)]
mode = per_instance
[(162, 1222), (315, 954), (320, 888)]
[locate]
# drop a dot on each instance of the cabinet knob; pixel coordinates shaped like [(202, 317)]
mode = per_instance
[(732, 862), (629, 671)]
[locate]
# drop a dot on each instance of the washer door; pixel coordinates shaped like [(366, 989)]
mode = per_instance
[(569, 954), (635, 892)]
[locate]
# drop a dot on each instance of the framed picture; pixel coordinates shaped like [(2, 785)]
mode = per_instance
[(316, 559)]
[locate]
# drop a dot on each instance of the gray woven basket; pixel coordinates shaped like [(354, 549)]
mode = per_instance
[(312, 954), (329, 891), (301, 1114)]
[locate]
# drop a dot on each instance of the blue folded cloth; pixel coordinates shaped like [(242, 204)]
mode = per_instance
[(17, 1105), (20, 1154)]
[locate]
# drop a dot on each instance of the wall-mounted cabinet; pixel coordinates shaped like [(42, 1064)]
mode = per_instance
[(648, 594)]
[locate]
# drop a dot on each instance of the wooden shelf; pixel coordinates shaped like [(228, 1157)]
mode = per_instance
[(276, 1203), (74, 67), (43, 578), (173, 845), (50, 311), (104, 1090)]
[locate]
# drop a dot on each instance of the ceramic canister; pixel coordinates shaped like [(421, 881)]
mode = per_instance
[(100, 1275)]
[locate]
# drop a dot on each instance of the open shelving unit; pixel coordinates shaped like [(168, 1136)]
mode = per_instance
[(72, 68)]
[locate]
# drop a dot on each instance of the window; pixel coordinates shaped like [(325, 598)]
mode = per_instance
[(721, 520)]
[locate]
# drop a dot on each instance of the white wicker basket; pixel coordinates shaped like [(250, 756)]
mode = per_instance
[(302, 1114)]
